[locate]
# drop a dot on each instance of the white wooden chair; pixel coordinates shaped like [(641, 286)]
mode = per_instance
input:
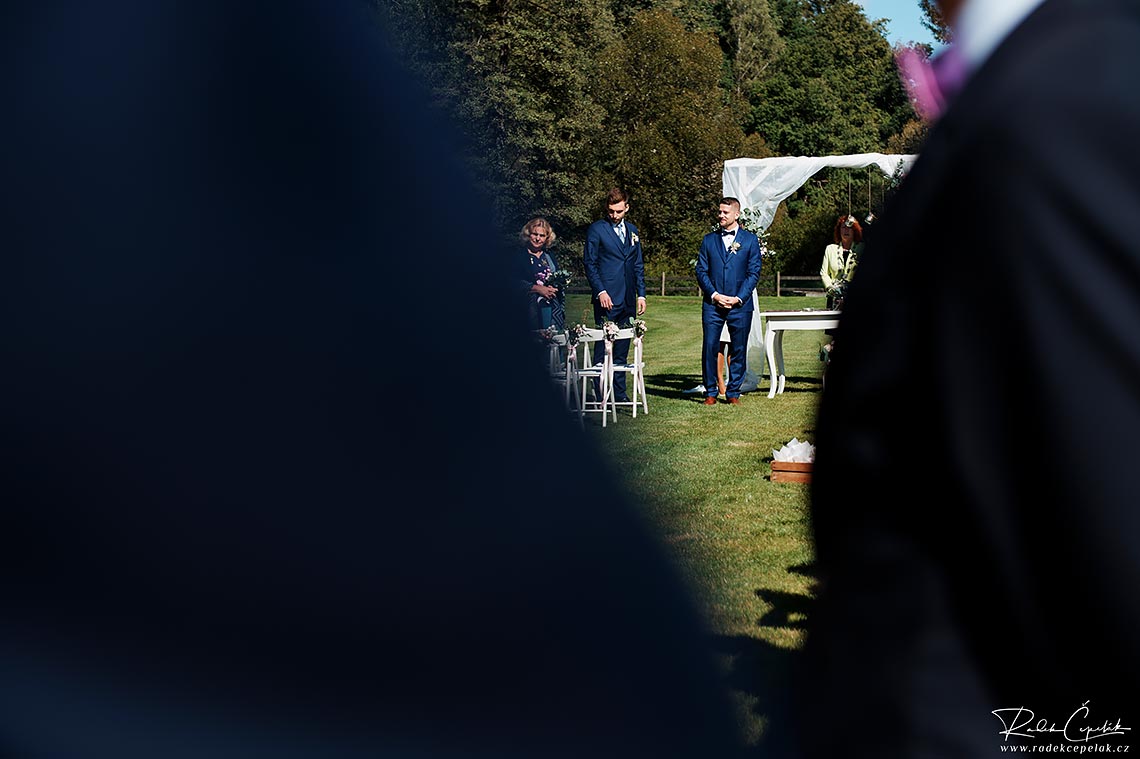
[(587, 373), (634, 368), (564, 369)]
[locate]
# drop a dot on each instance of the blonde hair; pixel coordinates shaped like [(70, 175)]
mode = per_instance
[(537, 221)]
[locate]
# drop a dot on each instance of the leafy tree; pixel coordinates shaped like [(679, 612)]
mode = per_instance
[(835, 89), (910, 138), (672, 131), (935, 21), (751, 40), (518, 73), (694, 15)]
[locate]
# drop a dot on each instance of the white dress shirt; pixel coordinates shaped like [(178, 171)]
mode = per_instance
[(727, 241), (982, 25), (729, 238)]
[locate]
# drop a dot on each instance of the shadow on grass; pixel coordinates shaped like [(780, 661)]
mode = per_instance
[(813, 384), (805, 570), (810, 379), (764, 671), (676, 386), (788, 610), (672, 385)]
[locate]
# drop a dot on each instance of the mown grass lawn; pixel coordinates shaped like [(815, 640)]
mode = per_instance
[(702, 476)]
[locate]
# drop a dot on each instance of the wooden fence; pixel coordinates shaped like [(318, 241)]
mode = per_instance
[(777, 284)]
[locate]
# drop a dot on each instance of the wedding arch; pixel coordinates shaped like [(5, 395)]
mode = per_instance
[(761, 184)]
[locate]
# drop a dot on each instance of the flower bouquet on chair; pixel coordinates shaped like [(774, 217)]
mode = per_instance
[(575, 334)]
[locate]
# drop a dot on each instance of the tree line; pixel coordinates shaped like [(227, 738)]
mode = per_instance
[(562, 99)]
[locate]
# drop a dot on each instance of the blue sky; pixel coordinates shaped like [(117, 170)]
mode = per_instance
[(905, 23)]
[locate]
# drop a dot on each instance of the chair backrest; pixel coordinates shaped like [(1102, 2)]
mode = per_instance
[(585, 341), (629, 334), (557, 343)]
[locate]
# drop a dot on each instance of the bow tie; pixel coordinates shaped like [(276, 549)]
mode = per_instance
[(724, 232)]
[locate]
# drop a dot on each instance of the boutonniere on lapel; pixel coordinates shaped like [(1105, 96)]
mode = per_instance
[(634, 240), (734, 247)]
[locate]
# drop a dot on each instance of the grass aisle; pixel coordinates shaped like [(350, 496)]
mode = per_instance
[(701, 473)]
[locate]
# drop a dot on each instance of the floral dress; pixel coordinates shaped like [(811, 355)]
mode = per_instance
[(541, 312)]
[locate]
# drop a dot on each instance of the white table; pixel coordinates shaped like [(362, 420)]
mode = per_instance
[(775, 324)]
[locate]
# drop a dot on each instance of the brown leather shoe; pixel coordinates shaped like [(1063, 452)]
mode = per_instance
[(710, 401), (734, 401)]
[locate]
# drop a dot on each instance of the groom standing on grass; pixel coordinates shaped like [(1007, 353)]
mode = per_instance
[(728, 268), (616, 271)]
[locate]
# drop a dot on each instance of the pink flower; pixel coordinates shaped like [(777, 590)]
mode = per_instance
[(932, 84), (920, 83)]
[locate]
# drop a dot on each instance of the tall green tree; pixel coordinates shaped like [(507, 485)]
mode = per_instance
[(835, 89), (752, 41), (671, 130), (518, 74)]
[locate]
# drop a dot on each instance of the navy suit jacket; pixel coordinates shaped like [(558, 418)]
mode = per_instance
[(729, 273), (613, 265), (1002, 590), (215, 542)]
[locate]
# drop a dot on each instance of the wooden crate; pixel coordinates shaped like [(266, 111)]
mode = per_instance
[(791, 471)]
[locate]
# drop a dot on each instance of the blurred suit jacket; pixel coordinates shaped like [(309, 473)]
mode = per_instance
[(229, 530), (975, 506)]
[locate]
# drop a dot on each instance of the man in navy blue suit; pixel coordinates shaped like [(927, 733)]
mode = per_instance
[(616, 272), (728, 268)]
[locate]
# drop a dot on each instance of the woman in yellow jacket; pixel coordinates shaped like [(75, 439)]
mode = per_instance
[(840, 259)]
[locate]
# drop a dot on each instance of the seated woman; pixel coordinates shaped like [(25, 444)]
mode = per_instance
[(545, 302), (840, 259)]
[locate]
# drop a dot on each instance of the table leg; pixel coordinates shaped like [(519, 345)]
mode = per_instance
[(778, 349), (770, 355)]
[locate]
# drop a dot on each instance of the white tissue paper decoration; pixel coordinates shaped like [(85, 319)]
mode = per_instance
[(795, 451)]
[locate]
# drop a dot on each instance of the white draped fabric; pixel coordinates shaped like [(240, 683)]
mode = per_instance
[(762, 183)]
